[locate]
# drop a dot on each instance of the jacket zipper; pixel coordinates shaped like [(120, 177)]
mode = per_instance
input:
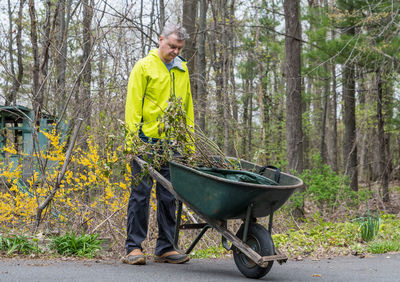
[(173, 83)]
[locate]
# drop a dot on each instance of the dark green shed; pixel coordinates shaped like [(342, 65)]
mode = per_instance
[(16, 127)]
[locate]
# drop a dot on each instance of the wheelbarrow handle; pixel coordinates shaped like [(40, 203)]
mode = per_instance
[(277, 175), (155, 174)]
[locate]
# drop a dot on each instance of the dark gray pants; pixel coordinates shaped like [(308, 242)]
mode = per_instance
[(138, 213)]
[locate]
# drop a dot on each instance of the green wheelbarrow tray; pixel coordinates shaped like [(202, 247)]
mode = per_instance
[(222, 199)]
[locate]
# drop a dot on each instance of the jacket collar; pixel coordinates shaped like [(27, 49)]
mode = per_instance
[(177, 62)]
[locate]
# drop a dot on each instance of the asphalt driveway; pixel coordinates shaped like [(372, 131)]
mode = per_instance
[(371, 268)]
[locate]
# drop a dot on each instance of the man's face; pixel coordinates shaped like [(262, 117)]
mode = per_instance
[(169, 47)]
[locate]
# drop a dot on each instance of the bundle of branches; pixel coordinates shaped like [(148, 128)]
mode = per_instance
[(179, 142)]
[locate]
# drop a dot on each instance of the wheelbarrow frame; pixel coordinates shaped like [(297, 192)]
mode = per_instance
[(219, 225)]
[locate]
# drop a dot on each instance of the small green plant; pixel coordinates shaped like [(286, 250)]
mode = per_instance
[(71, 244), (18, 244), (369, 226)]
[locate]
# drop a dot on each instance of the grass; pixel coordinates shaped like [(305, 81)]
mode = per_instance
[(318, 238), (382, 246), (210, 252)]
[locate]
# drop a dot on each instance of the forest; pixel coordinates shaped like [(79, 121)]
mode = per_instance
[(302, 85)]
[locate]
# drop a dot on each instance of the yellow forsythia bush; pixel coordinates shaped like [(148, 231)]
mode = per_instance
[(95, 186)]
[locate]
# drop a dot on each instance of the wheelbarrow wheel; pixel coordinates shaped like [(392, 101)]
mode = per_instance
[(259, 239)]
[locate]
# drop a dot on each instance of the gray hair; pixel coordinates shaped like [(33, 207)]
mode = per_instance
[(176, 29)]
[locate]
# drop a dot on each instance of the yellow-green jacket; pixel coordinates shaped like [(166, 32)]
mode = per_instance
[(149, 88)]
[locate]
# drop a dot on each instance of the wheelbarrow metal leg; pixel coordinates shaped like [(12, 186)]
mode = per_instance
[(194, 243), (271, 217), (223, 239), (177, 224), (247, 222)]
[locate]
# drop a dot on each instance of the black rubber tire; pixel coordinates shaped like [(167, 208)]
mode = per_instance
[(260, 240)]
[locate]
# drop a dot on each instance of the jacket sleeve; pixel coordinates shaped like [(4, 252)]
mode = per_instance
[(134, 99)]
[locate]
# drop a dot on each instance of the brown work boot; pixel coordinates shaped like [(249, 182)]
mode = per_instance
[(135, 257), (172, 257)]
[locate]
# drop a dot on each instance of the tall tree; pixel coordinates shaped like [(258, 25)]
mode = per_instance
[(349, 103), (260, 75), (349, 113), (60, 56), (162, 14), (332, 140), (189, 51), (11, 96), (37, 90), (201, 66), (382, 162), (294, 133), (85, 89)]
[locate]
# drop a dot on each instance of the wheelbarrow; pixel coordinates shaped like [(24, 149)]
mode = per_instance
[(217, 200)]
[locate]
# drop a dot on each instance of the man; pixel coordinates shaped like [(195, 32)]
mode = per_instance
[(153, 79)]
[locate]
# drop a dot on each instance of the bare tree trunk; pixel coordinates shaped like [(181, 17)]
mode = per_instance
[(332, 122), (306, 112), (10, 97), (201, 66), (143, 53), (322, 148), (152, 26), (349, 115), (189, 51), (230, 80), (45, 43), (246, 104), (225, 72), (250, 119), (383, 167), (102, 91), (260, 78), (349, 142), (231, 54), (86, 61), (217, 59), (294, 132), (162, 14), (364, 132), (19, 48), (61, 57), (36, 93)]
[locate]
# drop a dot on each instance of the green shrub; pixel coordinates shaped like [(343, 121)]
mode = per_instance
[(70, 244), (18, 244), (326, 188)]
